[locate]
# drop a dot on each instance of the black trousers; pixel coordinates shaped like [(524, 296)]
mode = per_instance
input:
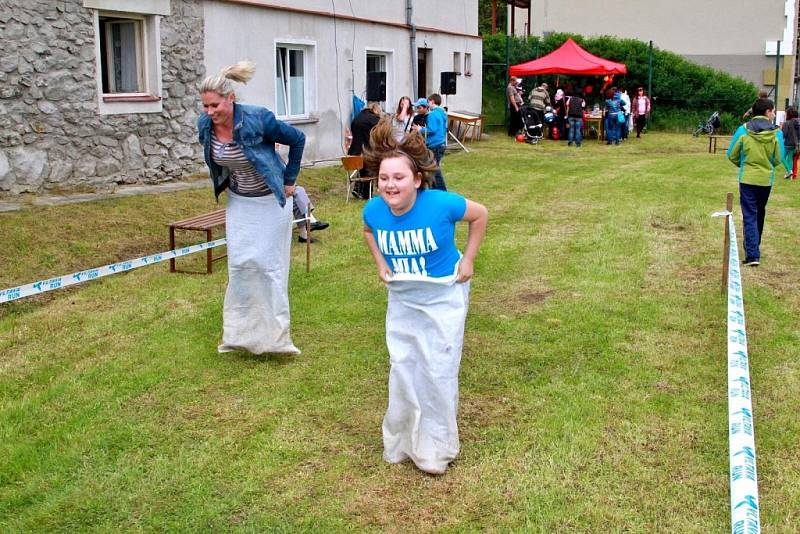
[(639, 122), (514, 121)]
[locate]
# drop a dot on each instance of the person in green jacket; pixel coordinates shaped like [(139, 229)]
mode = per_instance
[(756, 148)]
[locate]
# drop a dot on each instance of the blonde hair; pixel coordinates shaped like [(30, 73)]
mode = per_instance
[(383, 145), (221, 84), (375, 107)]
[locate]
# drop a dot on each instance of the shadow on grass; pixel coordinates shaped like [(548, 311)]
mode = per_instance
[(274, 358)]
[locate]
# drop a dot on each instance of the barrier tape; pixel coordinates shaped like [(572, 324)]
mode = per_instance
[(742, 448), (43, 286)]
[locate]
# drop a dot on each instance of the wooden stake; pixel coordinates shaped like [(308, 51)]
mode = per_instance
[(308, 242), (726, 253)]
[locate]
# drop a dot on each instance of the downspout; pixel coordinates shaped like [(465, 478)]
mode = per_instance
[(413, 44)]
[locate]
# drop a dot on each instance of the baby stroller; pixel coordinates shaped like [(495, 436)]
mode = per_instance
[(531, 124), (709, 126)]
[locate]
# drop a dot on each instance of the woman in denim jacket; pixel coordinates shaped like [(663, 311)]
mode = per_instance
[(239, 149)]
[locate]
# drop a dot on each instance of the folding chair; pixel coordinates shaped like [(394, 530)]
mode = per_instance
[(352, 165)]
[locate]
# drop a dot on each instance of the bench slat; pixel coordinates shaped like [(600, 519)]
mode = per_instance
[(201, 222)]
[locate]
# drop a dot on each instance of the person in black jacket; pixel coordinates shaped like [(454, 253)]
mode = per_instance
[(361, 126), (791, 136), (575, 107)]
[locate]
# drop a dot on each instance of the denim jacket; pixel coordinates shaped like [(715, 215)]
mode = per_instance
[(257, 130)]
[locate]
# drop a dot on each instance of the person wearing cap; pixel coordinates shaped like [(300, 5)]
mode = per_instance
[(420, 113), (539, 98), (435, 132)]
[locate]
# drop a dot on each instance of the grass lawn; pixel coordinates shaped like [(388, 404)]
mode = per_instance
[(593, 381)]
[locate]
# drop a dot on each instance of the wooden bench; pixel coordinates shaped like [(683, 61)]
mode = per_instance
[(712, 142), (201, 223)]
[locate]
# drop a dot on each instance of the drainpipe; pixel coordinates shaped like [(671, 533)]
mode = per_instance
[(412, 44)]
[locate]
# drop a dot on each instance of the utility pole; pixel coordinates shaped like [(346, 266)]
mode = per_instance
[(777, 78), (650, 71)]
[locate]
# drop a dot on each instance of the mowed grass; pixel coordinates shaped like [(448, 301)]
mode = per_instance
[(593, 381)]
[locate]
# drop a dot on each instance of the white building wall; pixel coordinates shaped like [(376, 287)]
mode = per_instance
[(450, 15), (235, 31)]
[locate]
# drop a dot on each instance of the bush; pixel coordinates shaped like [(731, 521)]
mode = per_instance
[(684, 93)]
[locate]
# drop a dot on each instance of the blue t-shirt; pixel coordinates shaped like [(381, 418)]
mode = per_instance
[(422, 240)]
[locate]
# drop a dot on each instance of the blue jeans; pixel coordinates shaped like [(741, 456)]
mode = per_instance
[(612, 128), (753, 201), (575, 130), (438, 178)]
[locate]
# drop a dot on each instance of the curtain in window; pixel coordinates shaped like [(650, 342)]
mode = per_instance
[(281, 95), (296, 82), (126, 71)]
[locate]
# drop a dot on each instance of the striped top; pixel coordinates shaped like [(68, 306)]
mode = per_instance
[(245, 180)]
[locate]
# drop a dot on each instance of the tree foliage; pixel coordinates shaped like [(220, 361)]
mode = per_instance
[(485, 16)]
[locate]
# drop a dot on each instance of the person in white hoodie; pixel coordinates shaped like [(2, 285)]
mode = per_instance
[(628, 124)]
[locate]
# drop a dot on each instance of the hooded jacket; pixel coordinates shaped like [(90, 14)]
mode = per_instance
[(539, 99), (756, 148)]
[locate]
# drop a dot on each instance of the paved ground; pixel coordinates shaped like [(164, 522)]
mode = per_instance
[(122, 191)]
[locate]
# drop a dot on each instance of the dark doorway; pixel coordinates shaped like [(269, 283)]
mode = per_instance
[(423, 62)]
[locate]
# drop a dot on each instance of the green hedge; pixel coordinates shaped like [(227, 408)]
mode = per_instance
[(684, 93)]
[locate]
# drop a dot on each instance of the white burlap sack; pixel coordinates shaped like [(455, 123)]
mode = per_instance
[(424, 334), (255, 316)]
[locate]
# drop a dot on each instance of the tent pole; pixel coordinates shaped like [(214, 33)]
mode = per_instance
[(506, 118)]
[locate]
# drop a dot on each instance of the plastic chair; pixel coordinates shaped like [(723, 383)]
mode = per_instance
[(352, 166)]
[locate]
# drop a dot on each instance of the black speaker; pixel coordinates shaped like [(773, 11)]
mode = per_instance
[(448, 86), (376, 87)]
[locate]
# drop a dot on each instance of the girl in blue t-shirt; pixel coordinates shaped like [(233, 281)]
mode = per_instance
[(410, 231)]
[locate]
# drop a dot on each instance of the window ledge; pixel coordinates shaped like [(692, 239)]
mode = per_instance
[(306, 120), (131, 98)]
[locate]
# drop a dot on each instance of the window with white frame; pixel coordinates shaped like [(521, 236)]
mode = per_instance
[(128, 54), (457, 62), (467, 64), (291, 81)]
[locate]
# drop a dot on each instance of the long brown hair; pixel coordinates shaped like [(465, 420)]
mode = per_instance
[(384, 145), (409, 109)]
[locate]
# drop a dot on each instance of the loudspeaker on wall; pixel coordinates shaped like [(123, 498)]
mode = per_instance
[(448, 85)]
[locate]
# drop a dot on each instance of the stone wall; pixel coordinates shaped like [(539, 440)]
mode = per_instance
[(51, 133)]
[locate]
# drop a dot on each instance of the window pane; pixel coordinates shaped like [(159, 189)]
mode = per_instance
[(124, 59), (373, 63), (376, 63), (280, 81), (296, 83)]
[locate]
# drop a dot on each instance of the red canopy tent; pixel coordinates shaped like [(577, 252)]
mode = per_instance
[(569, 58)]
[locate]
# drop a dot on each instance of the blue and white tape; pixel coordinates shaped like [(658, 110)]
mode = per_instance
[(43, 286), (742, 447)]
